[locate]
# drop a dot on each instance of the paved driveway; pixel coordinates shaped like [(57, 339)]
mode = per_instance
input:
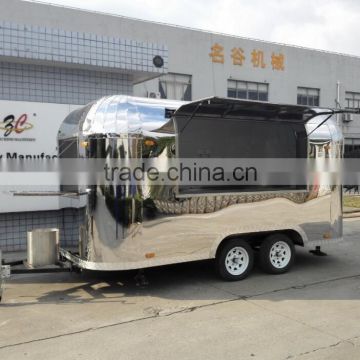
[(186, 312)]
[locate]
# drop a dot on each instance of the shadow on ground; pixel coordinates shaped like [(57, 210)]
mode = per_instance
[(193, 281)]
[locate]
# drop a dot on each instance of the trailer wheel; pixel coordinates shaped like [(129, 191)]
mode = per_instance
[(235, 260), (277, 254)]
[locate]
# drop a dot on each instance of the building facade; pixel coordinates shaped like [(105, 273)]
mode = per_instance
[(53, 59)]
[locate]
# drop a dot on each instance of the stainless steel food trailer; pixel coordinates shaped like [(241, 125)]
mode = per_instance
[(135, 227)]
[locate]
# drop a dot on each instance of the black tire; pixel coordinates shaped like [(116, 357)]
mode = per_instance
[(242, 252), (281, 262)]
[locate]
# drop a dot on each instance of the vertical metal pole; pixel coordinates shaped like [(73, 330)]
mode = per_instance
[(4, 273), (338, 102)]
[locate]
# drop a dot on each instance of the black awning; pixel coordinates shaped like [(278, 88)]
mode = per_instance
[(232, 128), (244, 109)]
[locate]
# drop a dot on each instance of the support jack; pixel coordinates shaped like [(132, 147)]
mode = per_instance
[(318, 252)]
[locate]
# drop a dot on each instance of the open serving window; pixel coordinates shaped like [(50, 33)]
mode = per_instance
[(237, 129)]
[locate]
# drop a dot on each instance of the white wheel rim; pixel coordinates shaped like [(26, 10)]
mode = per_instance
[(237, 261), (280, 254)]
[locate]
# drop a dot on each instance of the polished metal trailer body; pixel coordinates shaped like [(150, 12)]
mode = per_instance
[(133, 227)]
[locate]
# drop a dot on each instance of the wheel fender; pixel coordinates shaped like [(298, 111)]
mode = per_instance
[(223, 237)]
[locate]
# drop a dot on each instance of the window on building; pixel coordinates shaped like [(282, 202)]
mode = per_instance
[(352, 148), (308, 96), (248, 90), (352, 100), (175, 86)]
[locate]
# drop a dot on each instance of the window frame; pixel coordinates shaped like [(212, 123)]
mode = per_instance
[(308, 96), (353, 99), (164, 83), (247, 90)]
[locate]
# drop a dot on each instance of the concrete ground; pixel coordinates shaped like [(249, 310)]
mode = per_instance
[(186, 312)]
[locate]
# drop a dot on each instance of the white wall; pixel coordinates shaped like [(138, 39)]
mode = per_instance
[(35, 137), (189, 53)]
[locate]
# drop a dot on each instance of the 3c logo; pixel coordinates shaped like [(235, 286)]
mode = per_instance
[(18, 126)]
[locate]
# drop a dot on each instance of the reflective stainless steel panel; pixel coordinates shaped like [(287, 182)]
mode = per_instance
[(131, 226)]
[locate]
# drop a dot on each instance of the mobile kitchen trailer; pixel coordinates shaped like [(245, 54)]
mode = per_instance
[(137, 226)]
